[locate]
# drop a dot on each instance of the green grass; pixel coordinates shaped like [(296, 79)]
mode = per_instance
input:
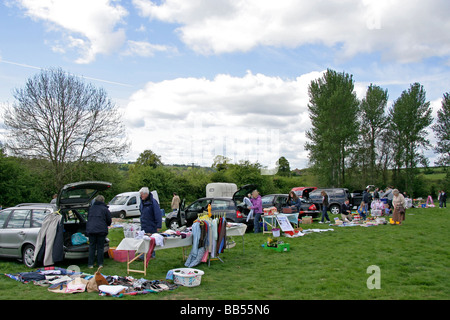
[(414, 260)]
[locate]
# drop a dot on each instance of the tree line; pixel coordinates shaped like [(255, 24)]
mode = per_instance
[(61, 130)]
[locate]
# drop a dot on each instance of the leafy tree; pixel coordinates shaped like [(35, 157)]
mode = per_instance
[(373, 122), (409, 118), (220, 163), (19, 183), (284, 168), (149, 159), (442, 132), (333, 110), (60, 118)]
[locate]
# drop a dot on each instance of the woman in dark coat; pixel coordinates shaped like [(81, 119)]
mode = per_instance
[(324, 207), (99, 218)]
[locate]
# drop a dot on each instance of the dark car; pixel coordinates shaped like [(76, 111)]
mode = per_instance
[(357, 197), (279, 201), (20, 225), (336, 197), (233, 208)]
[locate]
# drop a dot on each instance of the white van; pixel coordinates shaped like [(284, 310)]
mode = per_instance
[(127, 204)]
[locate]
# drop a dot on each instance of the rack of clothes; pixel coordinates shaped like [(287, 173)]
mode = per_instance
[(209, 239)]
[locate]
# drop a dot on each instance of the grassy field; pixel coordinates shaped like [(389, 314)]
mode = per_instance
[(414, 260)]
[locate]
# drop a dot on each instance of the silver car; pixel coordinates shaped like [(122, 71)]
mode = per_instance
[(20, 225), (19, 228)]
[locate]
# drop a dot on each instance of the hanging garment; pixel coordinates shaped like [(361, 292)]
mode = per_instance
[(195, 238), (214, 232), (249, 204), (50, 243), (222, 232)]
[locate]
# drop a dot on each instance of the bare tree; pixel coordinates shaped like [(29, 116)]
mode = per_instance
[(60, 118)]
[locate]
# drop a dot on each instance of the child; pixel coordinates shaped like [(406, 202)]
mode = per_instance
[(362, 210)]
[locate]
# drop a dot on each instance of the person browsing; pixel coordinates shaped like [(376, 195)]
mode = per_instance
[(151, 216)]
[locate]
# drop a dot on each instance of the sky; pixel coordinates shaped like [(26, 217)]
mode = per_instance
[(194, 79)]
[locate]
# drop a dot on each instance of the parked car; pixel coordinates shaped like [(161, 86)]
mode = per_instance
[(279, 201), (336, 197), (20, 225), (233, 208), (127, 204)]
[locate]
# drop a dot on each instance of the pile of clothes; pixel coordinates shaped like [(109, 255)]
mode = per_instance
[(59, 280)]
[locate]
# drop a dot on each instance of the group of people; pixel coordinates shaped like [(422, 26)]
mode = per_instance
[(398, 204), (99, 216)]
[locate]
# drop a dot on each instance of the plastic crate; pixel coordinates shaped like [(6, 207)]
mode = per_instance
[(284, 247)]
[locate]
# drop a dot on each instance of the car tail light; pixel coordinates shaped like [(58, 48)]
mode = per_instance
[(313, 207), (239, 214)]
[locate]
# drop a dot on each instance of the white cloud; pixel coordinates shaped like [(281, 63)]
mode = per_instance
[(254, 117), (146, 49), (90, 27), (403, 30)]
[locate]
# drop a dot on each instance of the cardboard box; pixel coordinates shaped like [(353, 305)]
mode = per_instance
[(307, 220)]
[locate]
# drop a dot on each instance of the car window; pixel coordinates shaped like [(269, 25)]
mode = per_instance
[(72, 217), (132, 201), (3, 216), (118, 200), (220, 204), (20, 218), (38, 217), (267, 200), (281, 200), (200, 204)]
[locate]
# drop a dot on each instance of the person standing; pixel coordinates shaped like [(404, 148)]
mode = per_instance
[(175, 205), (151, 216), (366, 199), (98, 221), (390, 196), (257, 210), (53, 201), (325, 205), (376, 194), (442, 199), (445, 198), (399, 204)]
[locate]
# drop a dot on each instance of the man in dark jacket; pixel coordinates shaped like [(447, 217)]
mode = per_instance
[(99, 218), (151, 217)]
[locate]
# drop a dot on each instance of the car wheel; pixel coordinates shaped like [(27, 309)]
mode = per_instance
[(334, 209), (122, 215), (173, 224), (28, 256)]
